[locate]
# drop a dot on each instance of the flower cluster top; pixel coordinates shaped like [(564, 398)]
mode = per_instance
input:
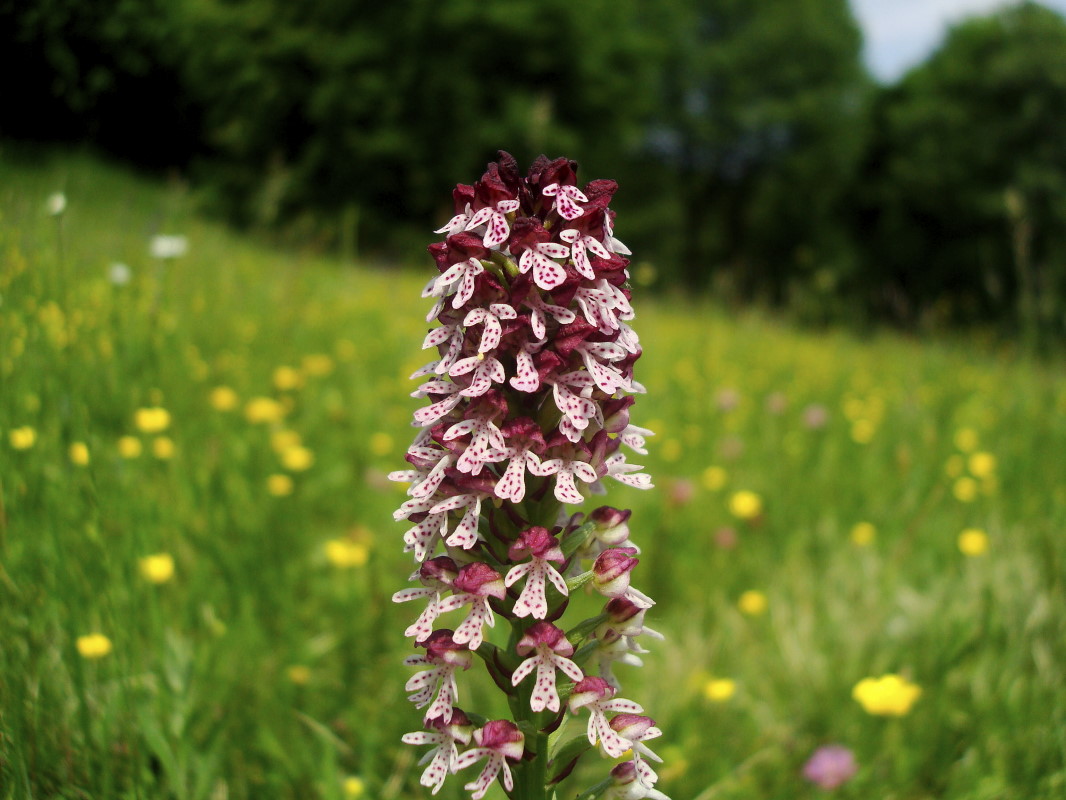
[(527, 407)]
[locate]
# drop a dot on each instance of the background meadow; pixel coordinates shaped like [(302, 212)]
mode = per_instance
[(197, 549)]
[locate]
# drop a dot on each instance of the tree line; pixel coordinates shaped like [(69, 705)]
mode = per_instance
[(757, 157)]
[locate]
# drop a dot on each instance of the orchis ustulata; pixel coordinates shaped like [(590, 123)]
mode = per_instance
[(526, 408)]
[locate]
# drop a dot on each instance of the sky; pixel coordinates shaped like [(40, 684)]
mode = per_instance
[(901, 33)]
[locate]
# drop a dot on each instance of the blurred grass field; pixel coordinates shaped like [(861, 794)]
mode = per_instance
[(232, 412)]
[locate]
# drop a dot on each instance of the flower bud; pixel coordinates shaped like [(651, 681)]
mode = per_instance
[(611, 525), (610, 571)]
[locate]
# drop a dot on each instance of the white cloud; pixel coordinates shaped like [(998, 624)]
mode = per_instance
[(900, 33)]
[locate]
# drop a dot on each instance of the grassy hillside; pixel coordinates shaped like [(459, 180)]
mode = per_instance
[(193, 469)]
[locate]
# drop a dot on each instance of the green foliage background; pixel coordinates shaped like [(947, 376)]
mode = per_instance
[(198, 699), (756, 155)]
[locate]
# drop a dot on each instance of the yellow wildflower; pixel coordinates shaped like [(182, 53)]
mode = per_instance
[(965, 489), (151, 420), (982, 465), (287, 378), (157, 568), (862, 431), (284, 440), (297, 459), (745, 505), (380, 443), (263, 409), (966, 439), (863, 533), (93, 646), (973, 542), (317, 364), (79, 454), (887, 696), (163, 448), (279, 485), (299, 674), (718, 690), (752, 602), (129, 447), (23, 438), (346, 553), (354, 788), (714, 478), (223, 398)]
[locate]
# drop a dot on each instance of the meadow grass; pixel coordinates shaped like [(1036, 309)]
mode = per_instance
[(236, 409)]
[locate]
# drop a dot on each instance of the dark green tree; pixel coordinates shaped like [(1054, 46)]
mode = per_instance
[(380, 104), (963, 194), (762, 125)]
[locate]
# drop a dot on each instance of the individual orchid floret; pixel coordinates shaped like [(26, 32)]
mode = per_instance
[(485, 438), (626, 473), (431, 464), (465, 533), (462, 196), (541, 548), (634, 438), (443, 657), (576, 406), (473, 586), (495, 220), (498, 741), (550, 651), (431, 414), (625, 620), (450, 335), (610, 575), (524, 441), (597, 696), (547, 274), (436, 574), (486, 370), (566, 200), (628, 784), (565, 470), (542, 310), (489, 317), (636, 729), (606, 377), (442, 758), (580, 243), (429, 528)]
